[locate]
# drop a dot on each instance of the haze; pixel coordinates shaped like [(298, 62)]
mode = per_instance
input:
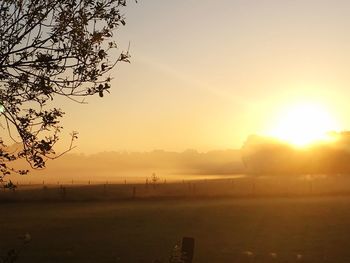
[(205, 75), (226, 139)]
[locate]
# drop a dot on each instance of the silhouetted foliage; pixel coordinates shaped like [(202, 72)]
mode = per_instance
[(51, 48), (266, 156), (10, 185)]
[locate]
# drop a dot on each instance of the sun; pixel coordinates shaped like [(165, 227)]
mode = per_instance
[(304, 124)]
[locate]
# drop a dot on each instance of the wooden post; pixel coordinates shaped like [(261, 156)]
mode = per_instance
[(310, 187), (187, 249), (253, 187), (63, 192), (134, 192)]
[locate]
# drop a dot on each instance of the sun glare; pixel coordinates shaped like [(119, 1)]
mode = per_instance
[(304, 124)]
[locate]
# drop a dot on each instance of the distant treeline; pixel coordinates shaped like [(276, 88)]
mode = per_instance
[(258, 156), (263, 155), (107, 164)]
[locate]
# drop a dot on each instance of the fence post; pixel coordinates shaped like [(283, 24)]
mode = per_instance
[(134, 192), (310, 187), (187, 249), (63, 192), (146, 183), (253, 187)]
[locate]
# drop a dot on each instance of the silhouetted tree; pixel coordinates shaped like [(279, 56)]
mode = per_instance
[(51, 48)]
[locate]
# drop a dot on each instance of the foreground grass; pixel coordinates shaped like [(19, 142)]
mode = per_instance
[(140, 231)]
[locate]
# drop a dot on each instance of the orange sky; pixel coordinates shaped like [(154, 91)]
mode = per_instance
[(207, 74)]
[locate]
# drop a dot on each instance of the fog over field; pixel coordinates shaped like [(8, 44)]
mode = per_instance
[(259, 156), (114, 166)]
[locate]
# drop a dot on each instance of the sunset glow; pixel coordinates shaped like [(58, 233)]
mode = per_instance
[(304, 124)]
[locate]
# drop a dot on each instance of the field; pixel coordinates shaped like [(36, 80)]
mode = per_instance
[(298, 229), (237, 186)]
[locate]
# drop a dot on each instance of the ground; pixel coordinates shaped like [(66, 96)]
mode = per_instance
[(315, 228)]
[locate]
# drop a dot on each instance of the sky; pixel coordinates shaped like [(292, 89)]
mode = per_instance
[(206, 74)]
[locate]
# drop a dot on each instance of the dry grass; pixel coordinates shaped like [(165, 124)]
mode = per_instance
[(273, 186), (262, 228)]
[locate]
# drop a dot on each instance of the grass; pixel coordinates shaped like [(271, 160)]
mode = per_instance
[(318, 228), (273, 186)]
